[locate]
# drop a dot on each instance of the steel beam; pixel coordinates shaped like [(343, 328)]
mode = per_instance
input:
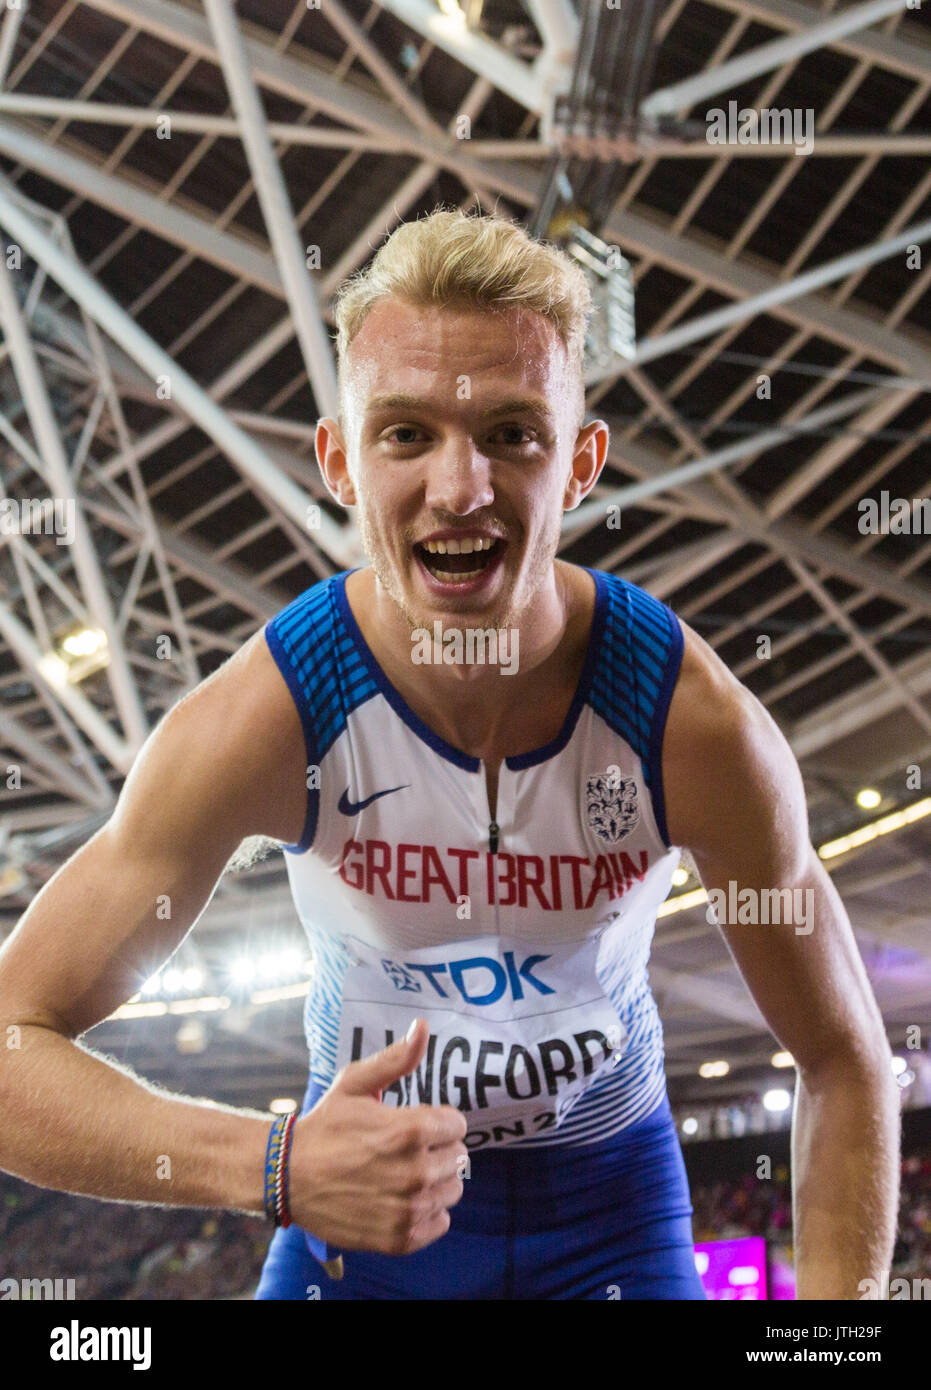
[(779, 294), (24, 740), (784, 535), (710, 268), (129, 200), (632, 493), (117, 751), (8, 36), (276, 207), (681, 96), (240, 448), (190, 122), (312, 81), (897, 52), (84, 556), (849, 713), (472, 49)]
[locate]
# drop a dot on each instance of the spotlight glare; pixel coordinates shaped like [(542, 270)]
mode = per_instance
[(709, 1069), (898, 1065), (680, 878), (690, 1125), (270, 965), (84, 641), (868, 798), (282, 1105), (242, 970), (776, 1100), (173, 980), (782, 1059), (896, 820)]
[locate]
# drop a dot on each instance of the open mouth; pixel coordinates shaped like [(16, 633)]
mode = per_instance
[(461, 567)]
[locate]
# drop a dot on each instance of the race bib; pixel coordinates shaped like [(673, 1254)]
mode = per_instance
[(517, 1035)]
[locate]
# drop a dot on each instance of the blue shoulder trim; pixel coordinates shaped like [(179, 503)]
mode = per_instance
[(638, 666), (327, 680)]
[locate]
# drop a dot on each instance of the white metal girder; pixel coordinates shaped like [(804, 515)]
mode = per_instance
[(632, 493), (785, 535), (888, 674), (782, 293), (681, 96), (473, 50), (853, 711), (276, 207), (23, 739), (12, 21), (904, 52), (192, 122), (240, 447), (84, 556), (118, 752), (232, 253)]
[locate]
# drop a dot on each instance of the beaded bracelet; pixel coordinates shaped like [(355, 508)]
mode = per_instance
[(276, 1170)]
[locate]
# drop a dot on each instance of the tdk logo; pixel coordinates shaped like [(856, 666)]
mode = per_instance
[(478, 979)]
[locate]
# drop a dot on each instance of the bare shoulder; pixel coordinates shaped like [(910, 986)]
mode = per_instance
[(727, 768), (240, 729), (269, 729)]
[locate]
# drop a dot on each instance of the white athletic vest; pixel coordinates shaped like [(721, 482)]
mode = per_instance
[(528, 957)]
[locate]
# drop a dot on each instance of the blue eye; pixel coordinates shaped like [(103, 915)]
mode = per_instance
[(413, 429)]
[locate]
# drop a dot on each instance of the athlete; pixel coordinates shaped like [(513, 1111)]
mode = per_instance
[(482, 763)]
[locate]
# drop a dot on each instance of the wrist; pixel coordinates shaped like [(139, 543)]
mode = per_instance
[(276, 1185), (236, 1182)]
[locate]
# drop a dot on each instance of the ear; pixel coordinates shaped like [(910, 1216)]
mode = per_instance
[(333, 461), (591, 451)]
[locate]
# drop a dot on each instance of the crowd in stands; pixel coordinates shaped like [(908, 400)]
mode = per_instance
[(750, 1206), (115, 1251)]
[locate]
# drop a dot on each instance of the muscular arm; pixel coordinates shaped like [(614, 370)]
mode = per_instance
[(734, 797), (206, 779)]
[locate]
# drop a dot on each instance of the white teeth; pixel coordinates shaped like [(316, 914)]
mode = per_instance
[(464, 547), (454, 578)]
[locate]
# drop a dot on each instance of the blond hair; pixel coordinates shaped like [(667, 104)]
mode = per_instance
[(484, 262)]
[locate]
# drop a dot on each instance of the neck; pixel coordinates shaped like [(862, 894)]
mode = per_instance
[(475, 705)]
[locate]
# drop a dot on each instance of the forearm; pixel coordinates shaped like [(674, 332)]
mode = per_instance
[(78, 1123), (845, 1162)]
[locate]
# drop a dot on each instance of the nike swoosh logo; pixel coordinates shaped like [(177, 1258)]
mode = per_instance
[(352, 808)]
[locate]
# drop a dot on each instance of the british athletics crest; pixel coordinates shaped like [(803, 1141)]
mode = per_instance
[(611, 806)]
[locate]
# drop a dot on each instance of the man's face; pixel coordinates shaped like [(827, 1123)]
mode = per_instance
[(459, 420)]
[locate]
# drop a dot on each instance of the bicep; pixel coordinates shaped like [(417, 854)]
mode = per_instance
[(112, 914), (736, 799)]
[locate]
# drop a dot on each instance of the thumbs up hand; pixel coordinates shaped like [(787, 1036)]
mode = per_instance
[(366, 1177)]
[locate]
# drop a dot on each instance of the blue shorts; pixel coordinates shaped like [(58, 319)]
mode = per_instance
[(586, 1221)]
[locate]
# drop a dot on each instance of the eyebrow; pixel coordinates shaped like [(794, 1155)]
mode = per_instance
[(514, 405)]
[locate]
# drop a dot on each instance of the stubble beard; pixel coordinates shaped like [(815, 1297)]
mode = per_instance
[(505, 617)]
